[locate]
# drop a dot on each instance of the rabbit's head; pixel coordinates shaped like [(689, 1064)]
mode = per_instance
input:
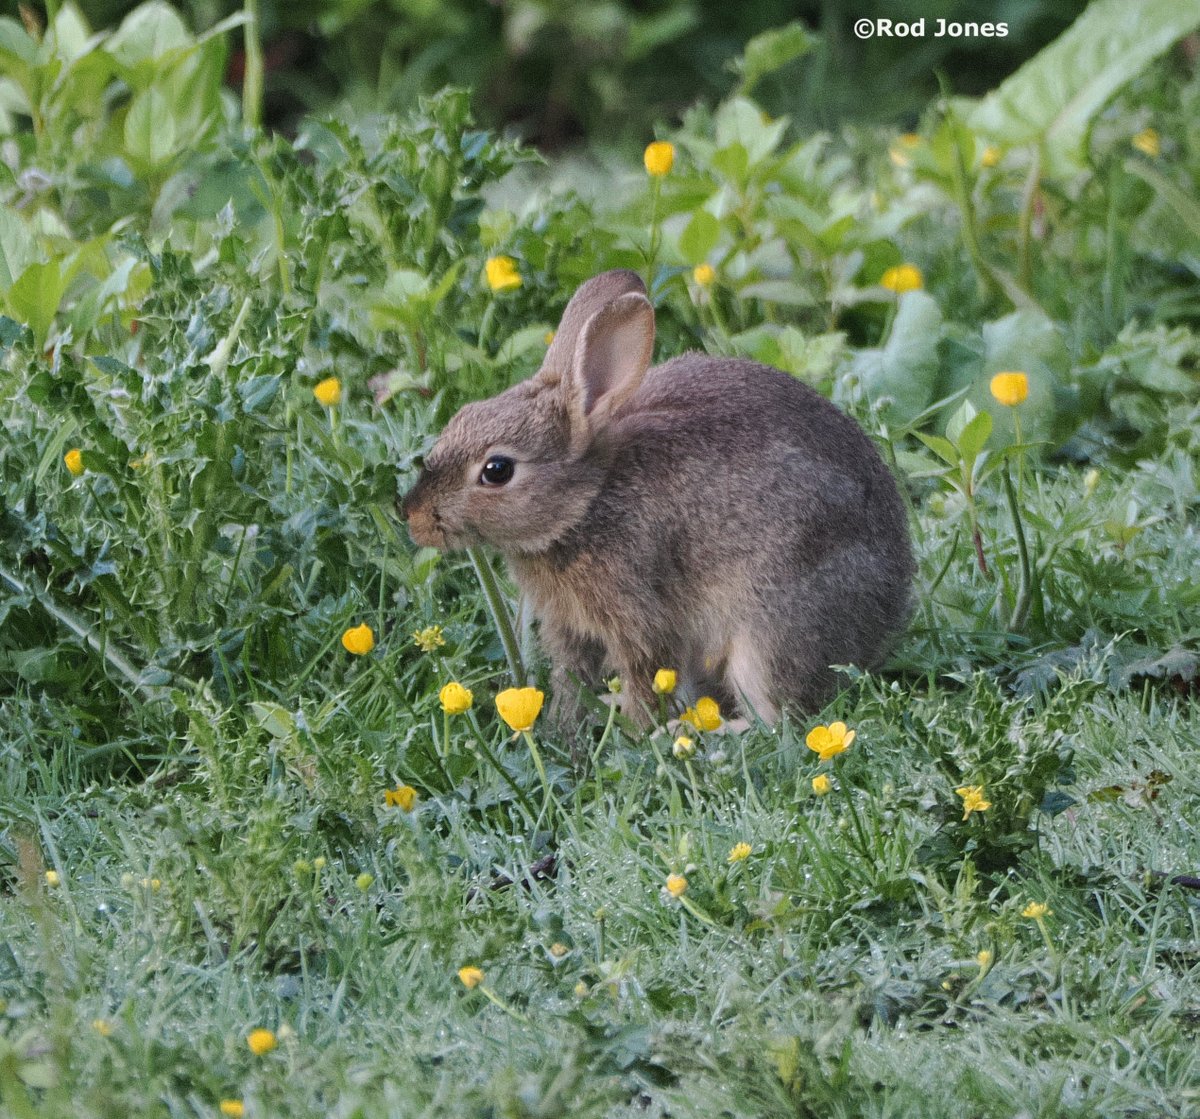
[(518, 471)]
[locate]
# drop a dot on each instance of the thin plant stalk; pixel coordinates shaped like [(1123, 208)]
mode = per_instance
[(501, 618), (252, 81), (1020, 610)]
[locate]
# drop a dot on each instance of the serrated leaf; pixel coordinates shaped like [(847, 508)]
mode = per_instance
[(1052, 99)]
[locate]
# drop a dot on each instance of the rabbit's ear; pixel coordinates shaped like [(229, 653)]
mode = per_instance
[(611, 357), (590, 298)]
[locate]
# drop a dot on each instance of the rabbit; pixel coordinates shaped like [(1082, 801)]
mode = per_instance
[(708, 514)]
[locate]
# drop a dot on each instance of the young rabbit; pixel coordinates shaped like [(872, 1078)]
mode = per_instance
[(709, 514)]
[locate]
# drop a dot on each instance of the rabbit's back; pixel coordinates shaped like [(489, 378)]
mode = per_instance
[(754, 454)]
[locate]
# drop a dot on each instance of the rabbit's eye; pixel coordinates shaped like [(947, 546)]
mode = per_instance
[(497, 470)]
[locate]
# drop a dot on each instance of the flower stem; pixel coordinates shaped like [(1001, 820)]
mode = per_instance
[(1020, 611), (863, 847), (495, 998), (252, 81), (539, 765), (494, 762)]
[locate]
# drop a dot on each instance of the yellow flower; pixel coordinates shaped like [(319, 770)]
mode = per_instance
[(828, 742), (328, 392), (659, 158), (665, 680), (1035, 910), (990, 156), (706, 715), (1147, 142), (903, 277), (984, 959), (704, 275), (429, 638), (738, 852), (470, 977), (365, 881), (102, 1026), (359, 640), (235, 1109), (455, 698), (973, 801), (684, 747), (520, 707), (52, 878), (548, 337), (402, 796), (676, 885), (261, 1041), (558, 950), (154, 884), (898, 153), (319, 863), (821, 784), (73, 460), (502, 274), (1010, 389)]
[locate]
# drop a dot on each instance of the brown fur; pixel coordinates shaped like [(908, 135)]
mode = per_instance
[(708, 514)]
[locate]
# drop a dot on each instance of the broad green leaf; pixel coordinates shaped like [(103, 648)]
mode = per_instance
[(899, 378), (150, 134), (652, 31), (523, 341), (699, 237), (943, 448), (71, 35), (1052, 99), (972, 438), (742, 122), (35, 297), (16, 44), (771, 51), (17, 248), (148, 32)]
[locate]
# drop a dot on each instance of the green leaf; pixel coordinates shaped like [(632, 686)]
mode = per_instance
[(699, 237), (943, 448), (35, 297), (147, 33), (17, 248), (899, 378), (972, 438), (740, 121), (1184, 205), (1052, 99), (771, 51), (150, 135), (16, 44)]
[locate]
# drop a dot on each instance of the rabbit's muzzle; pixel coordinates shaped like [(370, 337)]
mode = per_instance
[(422, 520)]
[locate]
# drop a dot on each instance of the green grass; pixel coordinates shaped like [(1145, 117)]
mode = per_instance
[(200, 767)]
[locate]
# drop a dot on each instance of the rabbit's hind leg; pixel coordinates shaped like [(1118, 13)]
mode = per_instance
[(748, 677)]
